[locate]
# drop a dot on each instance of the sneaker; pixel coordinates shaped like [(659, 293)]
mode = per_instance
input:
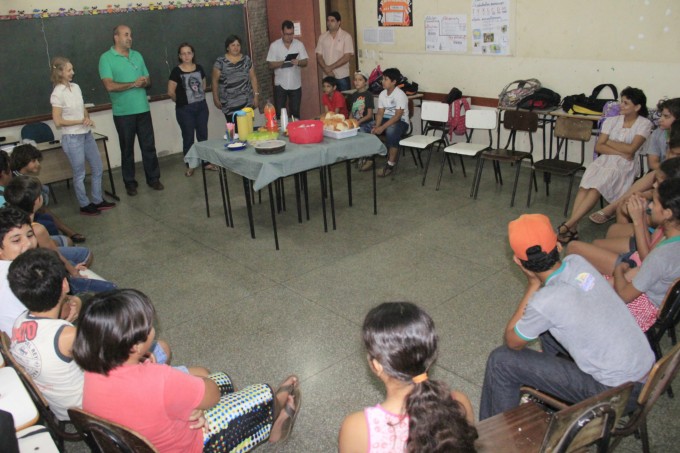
[(156, 185), (105, 205), (367, 165), (90, 209), (131, 190)]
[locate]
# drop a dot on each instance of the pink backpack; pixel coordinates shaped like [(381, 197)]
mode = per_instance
[(457, 111)]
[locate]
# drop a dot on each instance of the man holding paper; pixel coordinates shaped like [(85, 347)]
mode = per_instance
[(286, 56)]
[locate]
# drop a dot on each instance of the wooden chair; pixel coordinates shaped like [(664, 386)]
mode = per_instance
[(474, 120), (429, 111), (108, 436), (58, 429), (565, 129), (530, 428), (514, 121), (658, 382), (666, 320)]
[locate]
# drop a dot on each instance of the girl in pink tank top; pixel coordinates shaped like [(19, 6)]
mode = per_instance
[(418, 414)]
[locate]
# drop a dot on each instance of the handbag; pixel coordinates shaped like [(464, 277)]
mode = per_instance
[(590, 105)]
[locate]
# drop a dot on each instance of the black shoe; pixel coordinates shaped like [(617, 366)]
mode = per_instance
[(156, 185), (90, 209), (131, 190), (105, 205)]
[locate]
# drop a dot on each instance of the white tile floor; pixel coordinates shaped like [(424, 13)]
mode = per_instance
[(233, 303)]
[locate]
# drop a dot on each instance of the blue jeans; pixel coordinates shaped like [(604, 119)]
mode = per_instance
[(293, 97), (75, 255), (507, 370), (139, 125), (85, 285), (192, 119), (80, 148), (344, 84), (394, 132)]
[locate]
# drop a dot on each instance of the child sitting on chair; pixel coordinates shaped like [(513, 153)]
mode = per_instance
[(25, 160), (42, 336), (392, 118), (419, 414), (361, 103), (176, 412), (333, 100)]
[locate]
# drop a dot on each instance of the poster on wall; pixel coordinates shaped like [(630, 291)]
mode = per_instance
[(395, 13), (490, 23), (446, 33)]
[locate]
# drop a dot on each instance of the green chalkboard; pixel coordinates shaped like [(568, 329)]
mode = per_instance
[(29, 45)]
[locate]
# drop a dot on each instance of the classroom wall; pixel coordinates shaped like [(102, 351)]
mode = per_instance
[(571, 46)]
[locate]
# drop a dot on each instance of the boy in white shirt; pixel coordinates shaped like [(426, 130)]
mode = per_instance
[(392, 118)]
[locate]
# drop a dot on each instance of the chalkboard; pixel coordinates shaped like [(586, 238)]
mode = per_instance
[(29, 45)]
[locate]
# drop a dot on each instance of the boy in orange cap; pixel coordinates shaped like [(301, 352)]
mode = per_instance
[(590, 340)]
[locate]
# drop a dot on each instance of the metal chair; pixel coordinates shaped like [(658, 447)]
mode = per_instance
[(474, 119), (108, 436), (429, 111), (56, 427), (658, 382), (38, 132), (515, 121), (589, 422), (565, 129), (666, 320)]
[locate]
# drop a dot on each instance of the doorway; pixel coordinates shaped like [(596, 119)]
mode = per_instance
[(347, 22)]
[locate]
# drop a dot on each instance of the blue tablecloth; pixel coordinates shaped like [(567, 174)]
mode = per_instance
[(264, 169)]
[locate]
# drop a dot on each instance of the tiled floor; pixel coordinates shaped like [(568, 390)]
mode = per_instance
[(236, 304)]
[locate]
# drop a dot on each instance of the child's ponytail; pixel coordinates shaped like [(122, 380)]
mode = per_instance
[(437, 423)]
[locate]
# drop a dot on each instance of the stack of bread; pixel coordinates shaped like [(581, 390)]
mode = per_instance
[(337, 122)]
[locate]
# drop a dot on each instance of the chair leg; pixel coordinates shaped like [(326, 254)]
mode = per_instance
[(533, 174), (644, 436), (566, 204), (477, 178), (413, 155), (514, 187), (427, 164), (462, 165), (448, 159), (441, 170)]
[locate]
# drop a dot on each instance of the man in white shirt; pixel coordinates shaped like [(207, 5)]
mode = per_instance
[(334, 51), (286, 56)]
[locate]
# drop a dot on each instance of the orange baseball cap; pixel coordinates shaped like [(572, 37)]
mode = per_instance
[(530, 230)]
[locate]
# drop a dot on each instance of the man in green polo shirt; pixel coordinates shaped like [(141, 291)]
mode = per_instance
[(125, 77)]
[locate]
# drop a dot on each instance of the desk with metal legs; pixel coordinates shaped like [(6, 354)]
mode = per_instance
[(259, 170)]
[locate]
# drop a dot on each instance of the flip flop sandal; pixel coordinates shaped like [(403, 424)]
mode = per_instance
[(600, 218), (78, 238), (288, 424), (211, 167), (387, 170), (189, 172), (566, 236), (290, 388)]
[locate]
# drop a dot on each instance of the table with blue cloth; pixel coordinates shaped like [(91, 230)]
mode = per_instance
[(260, 170)]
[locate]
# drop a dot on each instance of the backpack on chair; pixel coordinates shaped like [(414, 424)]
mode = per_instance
[(457, 117)]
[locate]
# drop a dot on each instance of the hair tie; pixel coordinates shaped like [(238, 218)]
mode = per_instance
[(420, 378)]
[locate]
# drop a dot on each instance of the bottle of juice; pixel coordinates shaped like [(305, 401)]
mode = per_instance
[(270, 115)]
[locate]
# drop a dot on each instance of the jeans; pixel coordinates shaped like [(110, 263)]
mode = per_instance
[(75, 255), (80, 148), (344, 84), (294, 98), (140, 125), (85, 285), (394, 133), (507, 370), (192, 119)]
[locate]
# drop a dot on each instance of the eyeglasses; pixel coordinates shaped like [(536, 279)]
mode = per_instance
[(292, 33)]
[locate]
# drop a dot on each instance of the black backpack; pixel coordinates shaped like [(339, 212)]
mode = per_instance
[(453, 95), (580, 103), (542, 99)]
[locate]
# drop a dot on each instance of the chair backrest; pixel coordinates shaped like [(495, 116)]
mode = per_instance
[(481, 119), (110, 437), (669, 314), (587, 422), (523, 121), (662, 374), (36, 395), (573, 128), (38, 132), (434, 111)]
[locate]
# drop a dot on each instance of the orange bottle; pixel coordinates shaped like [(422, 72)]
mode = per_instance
[(270, 114)]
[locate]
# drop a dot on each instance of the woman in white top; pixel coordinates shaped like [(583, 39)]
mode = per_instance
[(69, 114), (613, 172)]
